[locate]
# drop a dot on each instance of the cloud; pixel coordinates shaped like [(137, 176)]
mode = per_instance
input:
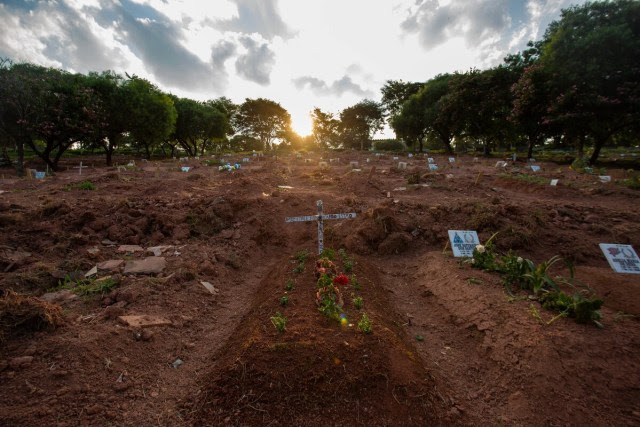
[(257, 16), (53, 34), (222, 51), (484, 24), (256, 64), (156, 40), (338, 87), (475, 20)]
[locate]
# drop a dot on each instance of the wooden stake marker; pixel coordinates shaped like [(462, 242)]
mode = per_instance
[(320, 218)]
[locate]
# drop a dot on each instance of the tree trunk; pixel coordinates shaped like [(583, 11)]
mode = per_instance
[(147, 152), (532, 142), (109, 151), (581, 146), (486, 149), (20, 162), (599, 143)]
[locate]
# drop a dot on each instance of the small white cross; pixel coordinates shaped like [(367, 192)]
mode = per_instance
[(80, 168), (320, 218)]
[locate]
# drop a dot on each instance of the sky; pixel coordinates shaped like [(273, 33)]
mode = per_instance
[(301, 53)]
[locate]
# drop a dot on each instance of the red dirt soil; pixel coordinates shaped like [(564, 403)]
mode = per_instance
[(483, 358)]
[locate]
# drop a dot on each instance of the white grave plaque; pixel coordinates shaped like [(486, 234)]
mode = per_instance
[(463, 242), (622, 258), (410, 155), (433, 167), (452, 159), (431, 160), (605, 178), (395, 157), (535, 168), (554, 182), (185, 168)]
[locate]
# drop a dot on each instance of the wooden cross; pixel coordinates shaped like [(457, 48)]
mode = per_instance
[(80, 168), (320, 218)]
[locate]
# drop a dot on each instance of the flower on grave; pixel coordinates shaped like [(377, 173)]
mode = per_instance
[(341, 279), (480, 249), (519, 260)]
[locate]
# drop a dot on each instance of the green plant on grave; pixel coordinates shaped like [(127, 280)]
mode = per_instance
[(354, 282), (284, 300), (347, 261), (299, 268), (513, 269), (86, 185), (632, 181), (358, 302), (289, 286), (279, 322), (301, 256), (538, 277), (329, 300), (86, 286), (581, 306), (324, 281), (365, 324), (484, 257), (328, 253)]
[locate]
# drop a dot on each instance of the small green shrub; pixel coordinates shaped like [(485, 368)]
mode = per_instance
[(86, 185), (279, 322), (289, 286), (347, 261), (358, 303), (284, 300), (87, 286), (328, 253), (365, 324), (354, 282), (301, 256), (584, 309), (389, 145)]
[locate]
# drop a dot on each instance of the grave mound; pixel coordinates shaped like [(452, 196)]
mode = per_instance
[(319, 371)]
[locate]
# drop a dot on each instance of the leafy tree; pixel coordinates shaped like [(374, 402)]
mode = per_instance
[(325, 129), (481, 102), (198, 124), (152, 114), (110, 89), (262, 119), (427, 113), (395, 93), (21, 95), (591, 56), (359, 123)]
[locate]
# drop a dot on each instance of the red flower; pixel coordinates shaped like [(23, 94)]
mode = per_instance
[(341, 279)]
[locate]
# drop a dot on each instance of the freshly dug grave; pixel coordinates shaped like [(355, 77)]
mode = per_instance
[(318, 372)]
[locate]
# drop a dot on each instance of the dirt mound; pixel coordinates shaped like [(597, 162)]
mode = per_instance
[(21, 314), (318, 370)]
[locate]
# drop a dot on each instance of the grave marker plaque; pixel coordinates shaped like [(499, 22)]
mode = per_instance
[(463, 242), (621, 258)]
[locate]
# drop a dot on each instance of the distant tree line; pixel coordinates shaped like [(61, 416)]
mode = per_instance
[(578, 87)]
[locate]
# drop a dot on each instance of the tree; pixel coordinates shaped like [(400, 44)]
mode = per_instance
[(21, 89), (64, 111), (262, 119), (110, 88), (197, 124), (359, 123), (152, 115), (481, 102), (591, 56), (395, 93), (325, 129)]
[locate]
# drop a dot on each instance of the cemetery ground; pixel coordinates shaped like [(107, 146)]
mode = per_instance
[(449, 344)]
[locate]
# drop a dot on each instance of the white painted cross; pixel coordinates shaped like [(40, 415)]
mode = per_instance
[(320, 218), (80, 168)]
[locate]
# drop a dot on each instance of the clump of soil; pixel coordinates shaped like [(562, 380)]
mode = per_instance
[(21, 314)]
